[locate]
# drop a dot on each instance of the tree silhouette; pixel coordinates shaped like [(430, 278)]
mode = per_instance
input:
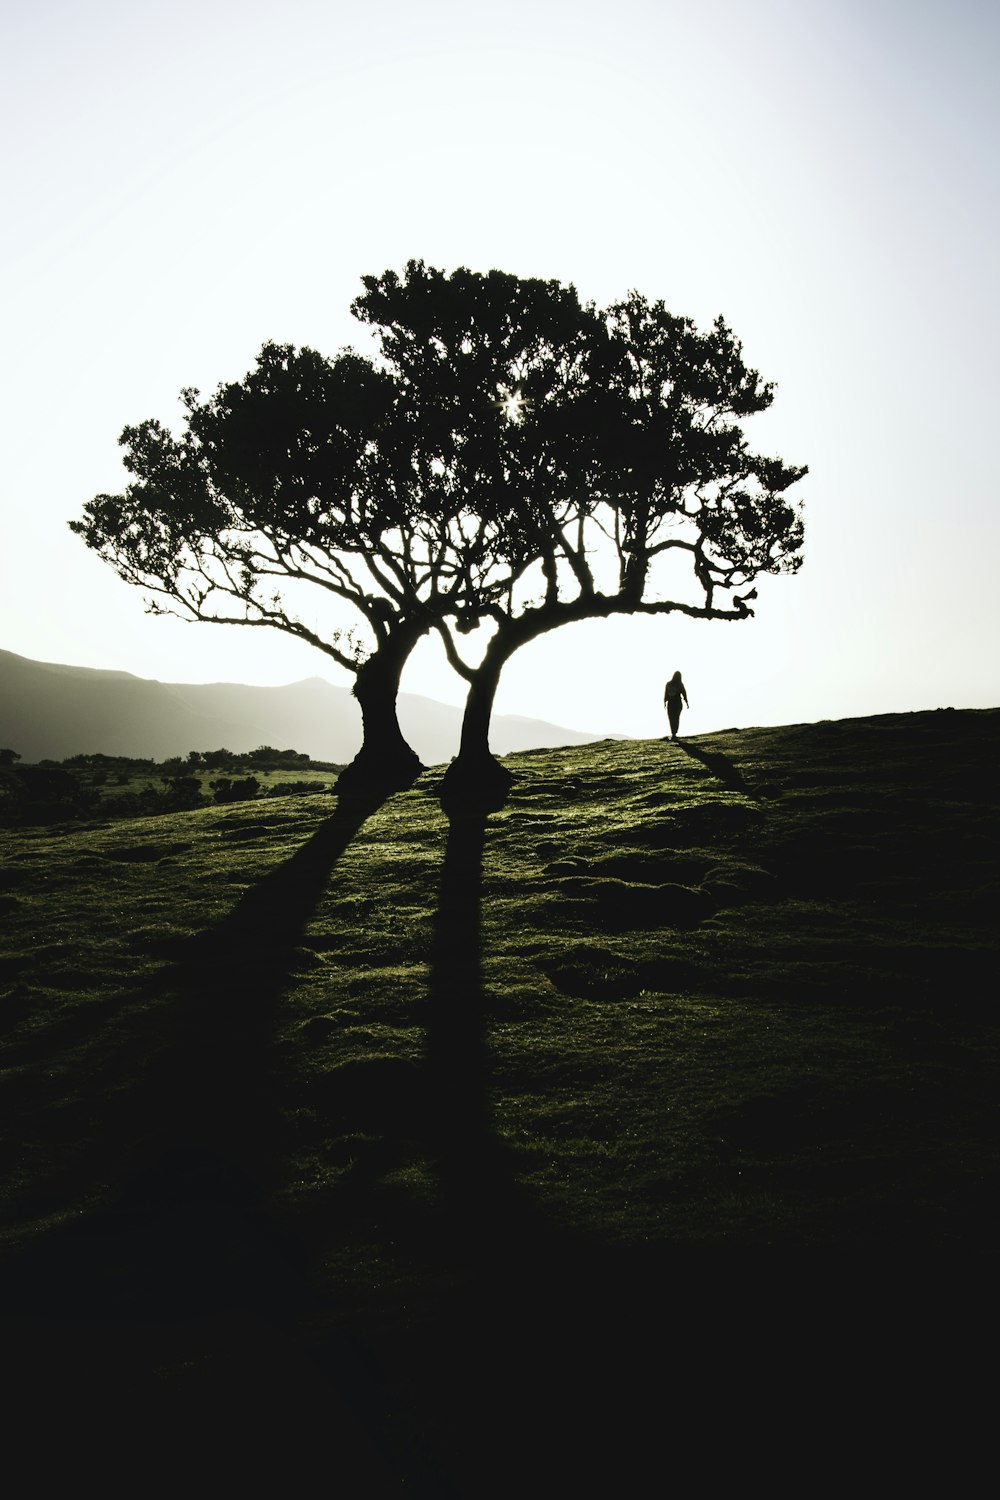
[(406, 491), (618, 480), (494, 419), (497, 372), (287, 488), (513, 461), (671, 481)]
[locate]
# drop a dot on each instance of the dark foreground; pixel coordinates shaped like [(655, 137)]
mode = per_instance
[(642, 1135)]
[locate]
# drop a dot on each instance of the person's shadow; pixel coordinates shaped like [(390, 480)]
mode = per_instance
[(717, 765)]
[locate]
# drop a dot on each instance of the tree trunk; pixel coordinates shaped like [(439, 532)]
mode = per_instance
[(385, 760), (475, 775), (475, 743)]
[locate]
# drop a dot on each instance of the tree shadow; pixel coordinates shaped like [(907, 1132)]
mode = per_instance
[(456, 1062), (493, 1226), (229, 982), (719, 766), (438, 1107), (196, 1139), (515, 1349), (521, 1354)]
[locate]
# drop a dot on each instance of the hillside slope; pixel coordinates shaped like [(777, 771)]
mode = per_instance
[(48, 711), (453, 1122)]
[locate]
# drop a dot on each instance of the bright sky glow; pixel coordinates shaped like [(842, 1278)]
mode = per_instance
[(183, 181)]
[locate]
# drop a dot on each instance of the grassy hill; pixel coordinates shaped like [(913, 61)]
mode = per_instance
[(435, 1129)]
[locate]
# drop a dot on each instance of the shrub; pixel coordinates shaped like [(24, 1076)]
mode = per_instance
[(181, 793), (243, 789), (44, 794)]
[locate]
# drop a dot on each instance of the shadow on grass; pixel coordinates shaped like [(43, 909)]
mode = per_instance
[(480, 1202), (228, 984), (186, 1298), (437, 1110), (456, 1065), (719, 766), (516, 1353), (194, 1140)]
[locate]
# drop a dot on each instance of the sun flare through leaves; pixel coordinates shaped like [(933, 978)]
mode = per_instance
[(512, 404)]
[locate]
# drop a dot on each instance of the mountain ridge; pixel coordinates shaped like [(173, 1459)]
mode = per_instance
[(51, 710)]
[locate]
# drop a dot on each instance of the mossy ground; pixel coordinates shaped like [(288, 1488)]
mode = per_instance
[(421, 1088)]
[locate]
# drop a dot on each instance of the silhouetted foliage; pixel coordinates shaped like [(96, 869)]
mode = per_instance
[(181, 793), (287, 483), (53, 792), (240, 789), (270, 488), (43, 794), (270, 759), (514, 461), (620, 455), (410, 499), (213, 760)]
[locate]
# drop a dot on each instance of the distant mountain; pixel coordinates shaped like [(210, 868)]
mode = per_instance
[(48, 712)]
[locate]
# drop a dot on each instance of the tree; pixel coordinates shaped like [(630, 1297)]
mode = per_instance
[(274, 492), (623, 454), (389, 490), (497, 408), (513, 461)]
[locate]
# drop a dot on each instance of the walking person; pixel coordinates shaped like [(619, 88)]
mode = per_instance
[(674, 696)]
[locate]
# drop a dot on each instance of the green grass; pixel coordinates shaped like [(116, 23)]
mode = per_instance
[(377, 1074)]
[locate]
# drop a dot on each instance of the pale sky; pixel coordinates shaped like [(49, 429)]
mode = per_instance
[(182, 181)]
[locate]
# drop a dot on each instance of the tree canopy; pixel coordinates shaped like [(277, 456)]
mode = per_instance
[(627, 484), (511, 460)]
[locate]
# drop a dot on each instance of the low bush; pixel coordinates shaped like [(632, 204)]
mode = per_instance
[(242, 789)]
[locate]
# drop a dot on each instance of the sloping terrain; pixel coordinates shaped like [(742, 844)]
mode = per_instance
[(423, 1103)]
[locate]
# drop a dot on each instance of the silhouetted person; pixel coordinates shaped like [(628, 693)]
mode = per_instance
[(674, 695)]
